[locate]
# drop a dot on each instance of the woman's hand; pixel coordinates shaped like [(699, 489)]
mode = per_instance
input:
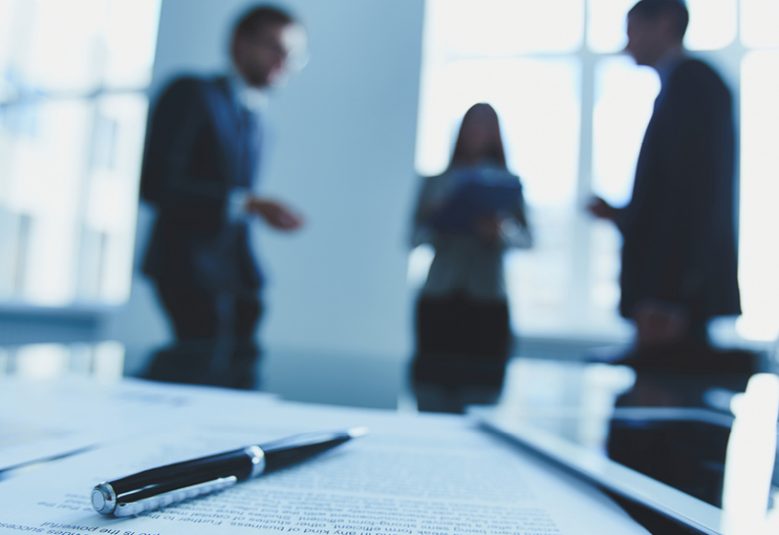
[(490, 229)]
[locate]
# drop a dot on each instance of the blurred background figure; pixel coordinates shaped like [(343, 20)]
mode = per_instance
[(470, 214), (679, 259), (202, 155)]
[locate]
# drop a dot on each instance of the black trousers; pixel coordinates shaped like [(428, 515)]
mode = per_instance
[(215, 337), (461, 341)]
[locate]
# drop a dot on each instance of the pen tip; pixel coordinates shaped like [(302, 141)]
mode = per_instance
[(355, 432)]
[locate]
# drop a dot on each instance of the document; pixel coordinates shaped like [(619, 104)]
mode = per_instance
[(43, 419), (23, 442), (413, 474)]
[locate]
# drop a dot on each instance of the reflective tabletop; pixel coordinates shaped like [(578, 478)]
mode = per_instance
[(665, 418)]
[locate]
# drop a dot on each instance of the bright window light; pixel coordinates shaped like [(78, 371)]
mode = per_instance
[(506, 27), (538, 104), (42, 361), (550, 88), (73, 106), (624, 96), (606, 25), (712, 24), (759, 22), (759, 261)]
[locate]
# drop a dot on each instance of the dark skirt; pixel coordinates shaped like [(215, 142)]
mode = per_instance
[(461, 341)]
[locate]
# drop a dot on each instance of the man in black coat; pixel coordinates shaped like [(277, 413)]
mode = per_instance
[(203, 149), (679, 257)]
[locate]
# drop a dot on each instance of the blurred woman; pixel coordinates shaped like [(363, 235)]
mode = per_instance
[(471, 214)]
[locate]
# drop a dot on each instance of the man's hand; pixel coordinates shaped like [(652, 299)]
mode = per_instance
[(274, 213), (601, 209), (660, 323)]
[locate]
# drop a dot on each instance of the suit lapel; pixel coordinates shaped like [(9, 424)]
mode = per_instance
[(227, 125)]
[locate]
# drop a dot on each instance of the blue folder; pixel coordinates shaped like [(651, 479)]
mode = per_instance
[(474, 201)]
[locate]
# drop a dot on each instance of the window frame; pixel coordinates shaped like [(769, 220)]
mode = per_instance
[(728, 60)]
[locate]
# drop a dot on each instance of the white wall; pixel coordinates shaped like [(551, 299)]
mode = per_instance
[(342, 152)]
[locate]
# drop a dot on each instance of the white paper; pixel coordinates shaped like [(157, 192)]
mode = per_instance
[(41, 419), (412, 474)]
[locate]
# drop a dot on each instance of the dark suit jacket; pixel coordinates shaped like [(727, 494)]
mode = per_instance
[(200, 146), (679, 229)]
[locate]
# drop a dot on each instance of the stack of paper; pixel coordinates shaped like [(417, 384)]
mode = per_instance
[(43, 419), (413, 474)]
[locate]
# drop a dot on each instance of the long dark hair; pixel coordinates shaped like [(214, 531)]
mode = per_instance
[(494, 152)]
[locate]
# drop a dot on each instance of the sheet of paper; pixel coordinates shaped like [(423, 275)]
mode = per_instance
[(412, 474), (41, 419)]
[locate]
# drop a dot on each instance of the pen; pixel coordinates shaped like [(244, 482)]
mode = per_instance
[(164, 485)]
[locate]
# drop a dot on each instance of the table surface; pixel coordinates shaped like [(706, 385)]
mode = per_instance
[(687, 455)]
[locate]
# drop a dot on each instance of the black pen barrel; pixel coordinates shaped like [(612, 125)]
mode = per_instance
[(175, 482), (236, 463), (172, 483), (282, 453)]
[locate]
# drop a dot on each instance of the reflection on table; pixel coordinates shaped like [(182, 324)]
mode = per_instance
[(609, 403)]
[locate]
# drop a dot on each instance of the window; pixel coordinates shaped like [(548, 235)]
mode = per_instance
[(759, 191), (73, 109), (573, 111)]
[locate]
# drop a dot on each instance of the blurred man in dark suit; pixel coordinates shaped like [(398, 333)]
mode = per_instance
[(679, 258), (202, 154)]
